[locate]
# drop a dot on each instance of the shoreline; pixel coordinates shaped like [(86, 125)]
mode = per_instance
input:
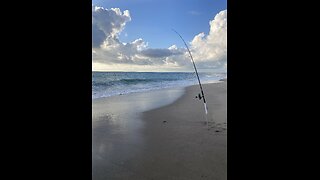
[(157, 89), (160, 89), (140, 145)]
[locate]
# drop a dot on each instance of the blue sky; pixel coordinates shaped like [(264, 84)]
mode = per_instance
[(136, 35), (152, 20)]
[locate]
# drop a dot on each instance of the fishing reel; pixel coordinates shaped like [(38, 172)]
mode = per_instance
[(199, 96)]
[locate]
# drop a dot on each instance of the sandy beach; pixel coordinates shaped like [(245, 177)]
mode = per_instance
[(161, 135)]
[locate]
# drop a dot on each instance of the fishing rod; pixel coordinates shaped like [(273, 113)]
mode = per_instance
[(200, 96)]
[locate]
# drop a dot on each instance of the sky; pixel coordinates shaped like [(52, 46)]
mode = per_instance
[(136, 35)]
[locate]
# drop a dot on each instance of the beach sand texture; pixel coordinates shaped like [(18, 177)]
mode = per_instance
[(170, 142)]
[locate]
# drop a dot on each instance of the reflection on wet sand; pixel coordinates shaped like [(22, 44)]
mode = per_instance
[(116, 129)]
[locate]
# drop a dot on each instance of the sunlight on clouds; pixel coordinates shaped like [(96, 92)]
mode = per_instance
[(213, 47), (135, 68), (109, 54)]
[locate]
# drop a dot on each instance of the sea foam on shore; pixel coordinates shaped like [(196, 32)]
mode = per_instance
[(106, 84)]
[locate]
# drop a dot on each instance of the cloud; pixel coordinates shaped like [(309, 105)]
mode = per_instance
[(209, 51), (160, 53), (113, 51), (107, 23)]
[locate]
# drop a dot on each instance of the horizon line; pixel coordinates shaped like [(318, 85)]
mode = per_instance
[(163, 71)]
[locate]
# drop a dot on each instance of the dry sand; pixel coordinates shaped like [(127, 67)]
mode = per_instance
[(171, 142)]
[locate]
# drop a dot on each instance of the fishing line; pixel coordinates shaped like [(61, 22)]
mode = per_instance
[(195, 68)]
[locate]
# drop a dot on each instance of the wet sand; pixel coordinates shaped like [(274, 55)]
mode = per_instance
[(170, 142)]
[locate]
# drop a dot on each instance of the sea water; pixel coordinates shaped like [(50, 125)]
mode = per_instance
[(106, 84)]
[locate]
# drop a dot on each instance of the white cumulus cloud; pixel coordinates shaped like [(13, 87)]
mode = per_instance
[(209, 51), (107, 23)]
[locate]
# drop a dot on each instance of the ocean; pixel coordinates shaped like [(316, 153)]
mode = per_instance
[(106, 84)]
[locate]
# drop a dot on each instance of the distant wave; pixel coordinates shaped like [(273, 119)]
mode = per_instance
[(129, 81), (144, 80), (105, 84)]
